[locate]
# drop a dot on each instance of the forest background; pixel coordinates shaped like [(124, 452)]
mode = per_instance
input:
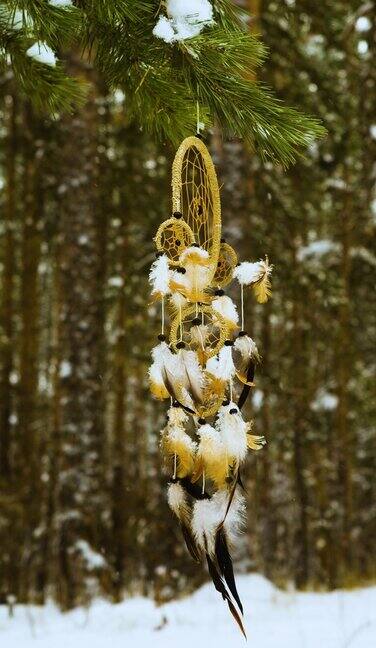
[(82, 497)]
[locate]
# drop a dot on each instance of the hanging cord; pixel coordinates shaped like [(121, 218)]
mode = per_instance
[(230, 389), (242, 305), (198, 118), (175, 466), (163, 316), (203, 482), (180, 323)]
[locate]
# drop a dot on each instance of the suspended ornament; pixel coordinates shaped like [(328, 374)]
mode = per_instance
[(205, 366)]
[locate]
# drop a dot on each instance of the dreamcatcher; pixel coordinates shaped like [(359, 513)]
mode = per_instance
[(205, 366)]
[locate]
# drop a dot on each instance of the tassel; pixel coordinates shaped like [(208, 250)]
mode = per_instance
[(225, 307), (177, 501), (159, 277), (258, 276), (211, 457), (233, 432)]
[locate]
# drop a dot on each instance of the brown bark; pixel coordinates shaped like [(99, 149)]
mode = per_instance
[(7, 297)]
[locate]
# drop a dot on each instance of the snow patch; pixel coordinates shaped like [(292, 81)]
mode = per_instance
[(185, 19), (61, 3), (317, 248), (324, 401), (42, 53), (273, 619)]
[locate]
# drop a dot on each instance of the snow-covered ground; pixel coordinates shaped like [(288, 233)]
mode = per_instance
[(274, 619)]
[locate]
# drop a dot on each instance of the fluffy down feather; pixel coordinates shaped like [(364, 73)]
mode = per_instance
[(226, 307), (233, 433), (209, 514), (177, 501), (178, 301), (176, 416), (222, 366), (211, 457), (258, 275), (159, 277), (194, 255)]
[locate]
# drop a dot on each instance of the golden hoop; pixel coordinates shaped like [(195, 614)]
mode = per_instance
[(173, 236), (216, 338), (227, 261), (195, 193)]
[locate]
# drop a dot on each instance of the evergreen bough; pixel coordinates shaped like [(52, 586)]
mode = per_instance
[(163, 82)]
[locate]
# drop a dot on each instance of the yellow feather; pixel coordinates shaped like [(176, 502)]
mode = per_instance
[(181, 445), (158, 390), (262, 289), (255, 442)]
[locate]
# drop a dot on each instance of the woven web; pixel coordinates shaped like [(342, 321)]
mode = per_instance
[(227, 261), (173, 239), (197, 198)]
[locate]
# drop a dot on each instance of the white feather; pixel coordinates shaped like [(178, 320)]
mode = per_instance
[(247, 273), (170, 364), (233, 432), (247, 347), (222, 367), (155, 374), (177, 500), (178, 300), (226, 307), (192, 374), (210, 447), (176, 417), (199, 335), (159, 276), (193, 253), (161, 354), (209, 514)]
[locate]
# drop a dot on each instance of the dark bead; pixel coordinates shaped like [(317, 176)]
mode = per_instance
[(195, 245), (202, 421), (237, 265), (175, 404), (229, 343), (178, 242), (177, 214), (161, 337), (233, 411), (242, 333), (159, 254), (223, 240), (219, 292), (181, 270), (180, 345), (225, 403), (196, 321)]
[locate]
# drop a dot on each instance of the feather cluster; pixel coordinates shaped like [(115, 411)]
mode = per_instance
[(256, 275), (207, 370)]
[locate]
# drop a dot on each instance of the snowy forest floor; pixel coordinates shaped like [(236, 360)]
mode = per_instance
[(274, 619)]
